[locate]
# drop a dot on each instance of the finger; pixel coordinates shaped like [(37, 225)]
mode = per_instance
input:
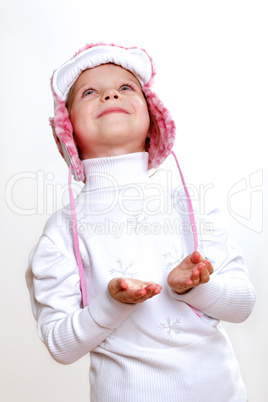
[(209, 266), (194, 280), (196, 257), (150, 290), (117, 284), (195, 276), (137, 296), (188, 262), (158, 289), (139, 293), (204, 274), (153, 288)]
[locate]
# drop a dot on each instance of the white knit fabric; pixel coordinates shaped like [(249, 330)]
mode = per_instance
[(134, 60), (160, 350)]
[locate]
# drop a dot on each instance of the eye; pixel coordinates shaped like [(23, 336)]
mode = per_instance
[(89, 91), (126, 87)]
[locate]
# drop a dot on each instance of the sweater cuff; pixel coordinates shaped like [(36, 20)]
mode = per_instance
[(108, 312), (203, 296)]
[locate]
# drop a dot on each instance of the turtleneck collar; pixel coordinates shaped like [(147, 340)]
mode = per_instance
[(114, 171)]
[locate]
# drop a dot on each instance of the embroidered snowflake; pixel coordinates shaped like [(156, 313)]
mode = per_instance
[(169, 327), (179, 201), (137, 221), (173, 257), (124, 271)]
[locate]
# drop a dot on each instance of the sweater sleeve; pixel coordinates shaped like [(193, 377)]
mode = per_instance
[(229, 295), (68, 331)]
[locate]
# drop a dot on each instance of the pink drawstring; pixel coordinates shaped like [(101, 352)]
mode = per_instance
[(76, 241), (192, 219), (190, 206)]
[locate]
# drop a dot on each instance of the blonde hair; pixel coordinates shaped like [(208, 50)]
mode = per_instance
[(70, 99)]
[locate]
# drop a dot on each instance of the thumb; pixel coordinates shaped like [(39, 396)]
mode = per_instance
[(197, 257), (116, 285)]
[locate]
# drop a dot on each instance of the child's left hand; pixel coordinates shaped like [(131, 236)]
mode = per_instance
[(191, 272)]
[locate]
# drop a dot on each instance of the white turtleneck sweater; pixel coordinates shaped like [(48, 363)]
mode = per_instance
[(134, 226)]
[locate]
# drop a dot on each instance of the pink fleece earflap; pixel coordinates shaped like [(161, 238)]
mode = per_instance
[(140, 64), (63, 135), (161, 142)]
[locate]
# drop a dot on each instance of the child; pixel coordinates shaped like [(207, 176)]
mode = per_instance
[(130, 237)]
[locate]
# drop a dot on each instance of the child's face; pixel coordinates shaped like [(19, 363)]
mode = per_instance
[(109, 113)]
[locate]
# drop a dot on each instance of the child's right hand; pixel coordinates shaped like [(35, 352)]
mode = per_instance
[(132, 291)]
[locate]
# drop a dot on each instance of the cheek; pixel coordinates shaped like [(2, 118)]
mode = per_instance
[(73, 115), (143, 113), (79, 121), (145, 121)]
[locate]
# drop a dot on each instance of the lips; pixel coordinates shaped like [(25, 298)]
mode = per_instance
[(113, 110)]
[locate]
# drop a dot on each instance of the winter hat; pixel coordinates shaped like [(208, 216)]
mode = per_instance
[(140, 64)]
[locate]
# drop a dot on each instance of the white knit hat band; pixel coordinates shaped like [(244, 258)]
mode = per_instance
[(135, 60)]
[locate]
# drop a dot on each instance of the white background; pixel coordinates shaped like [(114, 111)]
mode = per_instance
[(211, 60)]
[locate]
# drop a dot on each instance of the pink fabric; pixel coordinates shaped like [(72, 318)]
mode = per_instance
[(160, 147), (189, 203), (63, 135)]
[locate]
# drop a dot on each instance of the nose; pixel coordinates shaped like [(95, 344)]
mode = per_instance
[(110, 94)]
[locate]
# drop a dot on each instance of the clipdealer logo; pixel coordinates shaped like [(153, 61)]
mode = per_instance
[(46, 195), (244, 198), (245, 201)]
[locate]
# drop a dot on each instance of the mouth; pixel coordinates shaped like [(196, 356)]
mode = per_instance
[(113, 110)]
